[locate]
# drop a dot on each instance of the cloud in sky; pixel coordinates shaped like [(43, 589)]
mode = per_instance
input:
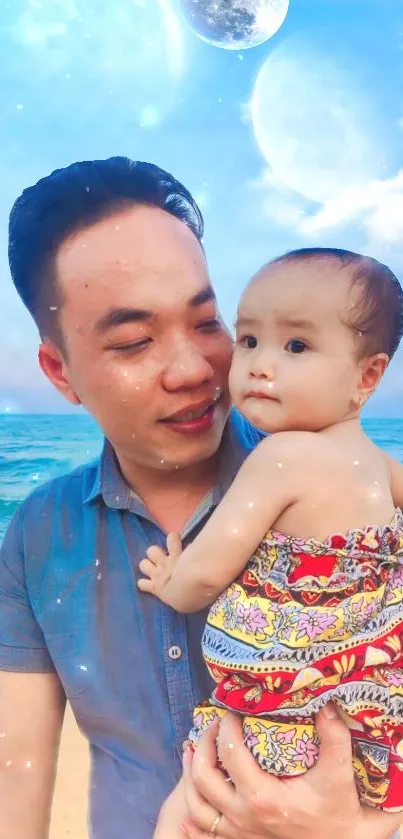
[(375, 207)]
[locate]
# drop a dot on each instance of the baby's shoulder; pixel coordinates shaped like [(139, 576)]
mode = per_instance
[(293, 446)]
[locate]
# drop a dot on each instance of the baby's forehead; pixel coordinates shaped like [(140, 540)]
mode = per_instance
[(299, 286)]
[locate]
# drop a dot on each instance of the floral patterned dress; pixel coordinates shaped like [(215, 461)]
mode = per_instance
[(307, 622)]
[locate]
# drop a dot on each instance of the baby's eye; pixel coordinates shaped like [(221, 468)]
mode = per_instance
[(296, 346), (248, 341)]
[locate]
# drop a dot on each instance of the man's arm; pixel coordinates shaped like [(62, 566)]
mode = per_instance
[(31, 716), (31, 697), (265, 486)]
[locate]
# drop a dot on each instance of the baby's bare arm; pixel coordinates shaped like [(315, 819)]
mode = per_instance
[(396, 480), (262, 490)]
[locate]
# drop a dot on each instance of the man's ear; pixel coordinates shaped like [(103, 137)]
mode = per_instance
[(55, 368)]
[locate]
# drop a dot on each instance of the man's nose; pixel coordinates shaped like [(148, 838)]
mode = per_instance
[(186, 367)]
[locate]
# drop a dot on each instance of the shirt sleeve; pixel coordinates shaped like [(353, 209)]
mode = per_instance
[(22, 645)]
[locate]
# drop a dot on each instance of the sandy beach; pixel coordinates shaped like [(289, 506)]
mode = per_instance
[(69, 817), (70, 804)]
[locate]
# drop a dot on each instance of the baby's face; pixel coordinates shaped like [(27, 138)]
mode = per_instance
[(295, 363)]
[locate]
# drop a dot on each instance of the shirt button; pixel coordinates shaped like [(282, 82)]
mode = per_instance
[(174, 652)]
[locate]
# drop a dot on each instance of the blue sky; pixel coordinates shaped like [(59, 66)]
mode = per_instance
[(295, 142)]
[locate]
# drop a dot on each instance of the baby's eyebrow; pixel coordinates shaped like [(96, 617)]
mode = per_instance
[(298, 323), (244, 321)]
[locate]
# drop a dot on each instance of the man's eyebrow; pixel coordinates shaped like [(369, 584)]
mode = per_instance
[(202, 297), (117, 317)]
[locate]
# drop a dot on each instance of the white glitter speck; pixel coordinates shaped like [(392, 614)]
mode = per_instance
[(28, 764), (270, 385), (280, 465), (8, 763), (97, 561), (356, 462), (58, 600), (83, 667), (99, 576), (235, 531), (250, 505), (2, 735)]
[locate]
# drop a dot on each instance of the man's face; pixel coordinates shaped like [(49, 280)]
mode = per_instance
[(146, 351)]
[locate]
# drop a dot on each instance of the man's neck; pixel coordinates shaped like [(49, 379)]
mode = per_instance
[(172, 496)]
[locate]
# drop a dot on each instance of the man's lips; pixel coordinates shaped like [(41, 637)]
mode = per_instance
[(192, 412), (196, 418)]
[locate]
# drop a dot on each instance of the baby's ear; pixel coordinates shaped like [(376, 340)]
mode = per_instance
[(372, 370)]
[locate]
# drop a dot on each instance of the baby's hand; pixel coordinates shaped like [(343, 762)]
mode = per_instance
[(159, 565)]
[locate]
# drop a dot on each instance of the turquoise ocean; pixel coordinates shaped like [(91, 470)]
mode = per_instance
[(36, 448)]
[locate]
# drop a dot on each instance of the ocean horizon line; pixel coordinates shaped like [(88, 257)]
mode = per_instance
[(86, 415)]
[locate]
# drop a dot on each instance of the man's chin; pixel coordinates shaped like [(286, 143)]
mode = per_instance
[(192, 450)]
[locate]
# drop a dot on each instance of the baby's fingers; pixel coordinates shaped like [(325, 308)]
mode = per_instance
[(146, 585), (155, 554), (147, 567), (174, 544)]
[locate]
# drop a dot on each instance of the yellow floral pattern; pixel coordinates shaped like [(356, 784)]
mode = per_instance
[(305, 623)]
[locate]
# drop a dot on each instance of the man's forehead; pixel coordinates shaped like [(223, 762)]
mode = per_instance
[(133, 235)]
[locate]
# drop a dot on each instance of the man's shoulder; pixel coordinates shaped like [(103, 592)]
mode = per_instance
[(71, 488), (246, 435)]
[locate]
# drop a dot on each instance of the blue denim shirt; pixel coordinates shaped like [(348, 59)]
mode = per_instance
[(130, 666)]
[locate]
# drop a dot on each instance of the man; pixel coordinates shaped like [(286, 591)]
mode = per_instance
[(107, 257)]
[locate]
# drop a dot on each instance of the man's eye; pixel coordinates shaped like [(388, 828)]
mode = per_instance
[(210, 325), (248, 341), (135, 345), (296, 346)]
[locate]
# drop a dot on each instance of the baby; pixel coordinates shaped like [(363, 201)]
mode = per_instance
[(303, 558)]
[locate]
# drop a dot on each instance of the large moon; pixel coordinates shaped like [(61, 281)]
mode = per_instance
[(319, 116), (234, 24)]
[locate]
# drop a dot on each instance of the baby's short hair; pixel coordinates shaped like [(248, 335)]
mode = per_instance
[(377, 316)]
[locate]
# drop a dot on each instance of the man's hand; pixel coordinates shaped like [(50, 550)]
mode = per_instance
[(321, 804), (159, 565)]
